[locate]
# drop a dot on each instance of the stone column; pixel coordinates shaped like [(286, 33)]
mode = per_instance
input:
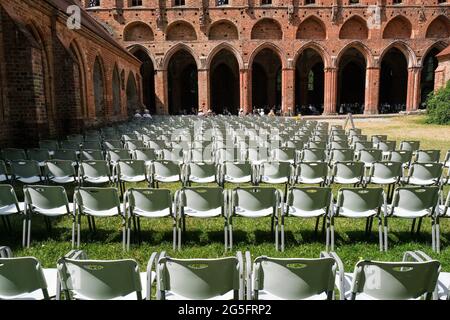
[(287, 91), (372, 90), (414, 91), (245, 89), (330, 94), (203, 90), (161, 92)]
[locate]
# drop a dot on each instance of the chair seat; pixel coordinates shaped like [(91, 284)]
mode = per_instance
[(310, 181), (402, 213), (174, 178), (139, 178), (55, 212), (443, 285), (153, 214), (12, 209), (346, 181), (51, 279), (274, 180), (377, 180), (264, 295), (202, 214), (29, 180), (344, 212), (253, 214), (131, 296), (102, 213), (245, 179), (173, 296), (64, 180), (97, 180), (4, 177), (210, 179), (421, 182), (306, 214)]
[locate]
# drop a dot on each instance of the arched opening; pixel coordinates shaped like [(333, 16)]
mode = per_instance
[(354, 28), (132, 95), (138, 31), (181, 31), (429, 65), (398, 28), (309, 84), (267, 29), (311, 28), (439, 28), (117, 105), (223, 30), (99, 88), (266, 80), (148, 80), (352, 82), (393, 82), (224, 83), (183, 83)]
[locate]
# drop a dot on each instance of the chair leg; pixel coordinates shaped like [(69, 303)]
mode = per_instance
[(413, 226), (139, 230), (276, 235), (230, 231), (332, 233), (29, 231), (24, 231), (316, 229), (419, 225), (272, 223), (386, 229), (282, 234), (8, 222), (89, 223), (380, 233), (73, 233), (93, 225), (438, 236), (78, 230), (174, 227), (323, 225), (327, 237)]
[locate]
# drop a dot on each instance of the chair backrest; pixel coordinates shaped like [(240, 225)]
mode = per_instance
[(21, 276), (348, 170), (8, 196), (173, 154), (39, 155), (257, 154), (360, 199), (338, 145), (237, 169), (410, 145), (426, 171), (229, 154), (276, 170), (115, 155), (165, 168), (386, 169), (309, 199), (426, 156), (284, 154), (97, 199), (150, 200), (386, 145), (316, 144), (295, 279), (198, 278), (156, 144), (89, 155), (255, 198), (202, 198), (342, 155), (131, 168), (65, 154), (50, 145), (370, 155), (25, 168), (200, 170), (69, 145), (416, 198), (59, 168), (403, 156), (134, 144), (313, 155), (395, 280), (361, 145), (112, 144), (378, 138), (312, 170), (95, 169), (145, 154), (200, 155), (11, 154), (92, 145), (100, 280), (46, 197)]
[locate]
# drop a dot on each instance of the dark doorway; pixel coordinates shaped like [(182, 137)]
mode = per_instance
[(148, 80), (352, 82), (393, 82), (183, 83), (429, 65), (309, 84), (224, 83)]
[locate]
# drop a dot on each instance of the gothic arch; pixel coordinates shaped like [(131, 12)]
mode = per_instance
[(137, 47), (398, 27), (316, 47), (267, 29), (138, 31), (438, 28), (228, 47), (312, 28), (75, 49), (175, 49), (181, 31), (268, 45), (132, 94), (354, 28), (116, 91), (98, 77), (223, 30), (362, 48), (405, 49)]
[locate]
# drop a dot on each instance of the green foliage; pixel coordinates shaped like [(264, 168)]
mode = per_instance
[(438, 105)]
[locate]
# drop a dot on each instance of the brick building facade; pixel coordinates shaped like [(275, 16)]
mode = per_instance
[(371, 56), (55, 80)]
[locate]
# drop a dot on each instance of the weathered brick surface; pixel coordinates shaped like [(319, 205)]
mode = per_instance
[(287, 27)]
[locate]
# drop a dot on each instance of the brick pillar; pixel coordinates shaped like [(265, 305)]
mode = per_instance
[(330, 94), (413, 93), (287, 91), (372, 90), (245, 88), (161, 92), (203, 90)]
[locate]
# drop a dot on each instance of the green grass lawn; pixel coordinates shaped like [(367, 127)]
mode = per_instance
[(204, 238)]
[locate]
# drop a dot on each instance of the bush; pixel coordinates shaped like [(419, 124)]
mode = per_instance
[(438, 106)]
